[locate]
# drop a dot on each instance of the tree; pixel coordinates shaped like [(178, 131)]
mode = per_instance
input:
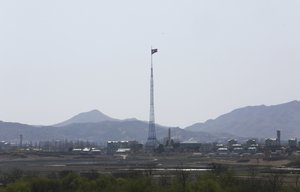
[(19, 186)]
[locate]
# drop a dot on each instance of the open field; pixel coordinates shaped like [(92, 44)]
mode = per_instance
[(142, 172), (55, 162)]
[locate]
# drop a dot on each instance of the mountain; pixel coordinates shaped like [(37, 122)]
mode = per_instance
[(93, 116), (104, 131), (256, 121), (253, 121)]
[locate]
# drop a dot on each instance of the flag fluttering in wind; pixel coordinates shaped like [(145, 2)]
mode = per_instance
[(153, 51)]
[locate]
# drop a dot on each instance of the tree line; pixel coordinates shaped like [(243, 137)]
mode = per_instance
[(182, 181)]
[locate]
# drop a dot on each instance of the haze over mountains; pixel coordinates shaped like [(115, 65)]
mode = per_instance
[(95, 126), (256, 121), (248, 122)]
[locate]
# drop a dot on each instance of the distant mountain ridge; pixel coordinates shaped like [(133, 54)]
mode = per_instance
[(96, 132), (93, 116), (256, 121), (97, 127)]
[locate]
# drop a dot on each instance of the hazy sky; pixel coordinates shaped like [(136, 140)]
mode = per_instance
[(62, 57)]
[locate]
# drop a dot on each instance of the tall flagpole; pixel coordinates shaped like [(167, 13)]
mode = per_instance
[(151, 141), (152, 117), (152, 114)]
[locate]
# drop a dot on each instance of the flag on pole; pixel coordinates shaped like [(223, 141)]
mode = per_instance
[(153, 51)]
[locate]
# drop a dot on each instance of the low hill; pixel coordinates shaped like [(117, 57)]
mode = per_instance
[(11, 132)]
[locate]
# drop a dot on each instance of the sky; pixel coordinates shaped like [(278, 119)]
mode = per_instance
[(62, 57)]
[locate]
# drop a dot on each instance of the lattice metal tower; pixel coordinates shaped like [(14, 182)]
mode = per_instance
[(152, 141)]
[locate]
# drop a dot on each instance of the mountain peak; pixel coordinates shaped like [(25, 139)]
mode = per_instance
[(93, 116), (94, 111)]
